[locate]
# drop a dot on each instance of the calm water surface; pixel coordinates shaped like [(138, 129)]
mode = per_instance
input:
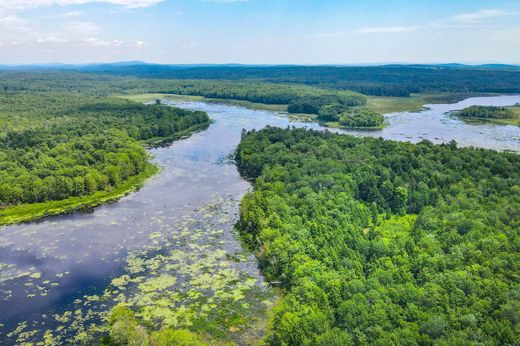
[(175, 234)]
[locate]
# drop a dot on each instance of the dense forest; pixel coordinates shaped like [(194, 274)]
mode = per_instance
[(369, 241), (486, 112), (397, 80), (390, 80), (299, 98), (382, 242), (54, 146)]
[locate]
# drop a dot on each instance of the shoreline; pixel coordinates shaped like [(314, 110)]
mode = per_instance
[(24, 213), (381, 104), (34, 211)]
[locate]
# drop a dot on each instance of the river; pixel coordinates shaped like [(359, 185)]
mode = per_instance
[(171, 248)]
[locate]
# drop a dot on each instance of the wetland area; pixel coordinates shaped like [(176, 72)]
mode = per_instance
[(171, 248)]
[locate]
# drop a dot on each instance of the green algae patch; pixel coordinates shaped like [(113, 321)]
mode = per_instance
[(186, 277), (34, 211)]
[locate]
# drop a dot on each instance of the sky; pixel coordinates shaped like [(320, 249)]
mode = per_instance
[(260, 31)]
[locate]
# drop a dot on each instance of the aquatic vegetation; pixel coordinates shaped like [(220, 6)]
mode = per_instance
[(183, 280)]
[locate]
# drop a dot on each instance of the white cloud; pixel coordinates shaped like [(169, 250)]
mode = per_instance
[(477, 17), (225, 1), (464, 20), (73, 14), (383, 29), (14, 5), (368, 30), (111, 43), (50, 39), (68, 35), (16, 31), (472, 19)]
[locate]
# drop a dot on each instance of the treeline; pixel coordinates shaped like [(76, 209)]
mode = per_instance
[(299, 98), (378, 242), (395, 80), (370, 80), (486, 112), (54, 146)]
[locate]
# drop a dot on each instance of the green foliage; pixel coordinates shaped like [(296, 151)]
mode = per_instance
[(300, 98), (361, 118), (324, 104), (331, 112), (170, 337), (55, 146), (383, 242), (125, 330), (486, 112), (350, 118), (391, 80)]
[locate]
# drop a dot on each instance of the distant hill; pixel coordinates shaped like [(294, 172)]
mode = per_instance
[(383, 80), (462, 66)]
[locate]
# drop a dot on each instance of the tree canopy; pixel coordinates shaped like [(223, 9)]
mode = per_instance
[(382, 242), (54, 146), (486, 112)]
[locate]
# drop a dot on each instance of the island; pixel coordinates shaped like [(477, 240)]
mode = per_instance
[(497, 115)]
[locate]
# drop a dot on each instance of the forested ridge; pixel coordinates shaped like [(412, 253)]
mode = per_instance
[(382, 242), (389, 80), (298, 98), (54, 146)]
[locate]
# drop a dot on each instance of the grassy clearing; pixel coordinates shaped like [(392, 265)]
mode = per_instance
[(415, 102), (34, 211), (512, 121)]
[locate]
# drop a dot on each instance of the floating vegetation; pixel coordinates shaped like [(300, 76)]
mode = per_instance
[(186, 277)]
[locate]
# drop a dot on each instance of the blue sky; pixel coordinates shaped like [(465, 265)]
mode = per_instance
[(259, 31)]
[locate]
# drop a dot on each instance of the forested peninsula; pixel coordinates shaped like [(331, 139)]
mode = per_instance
[(62, 152), (375, 241), (497, 115)]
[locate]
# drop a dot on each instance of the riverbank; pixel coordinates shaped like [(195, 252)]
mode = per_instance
[(31, 212), (336, 125), (415, 102), (145, 98), (34, 211), (380, 104), (162, 141)]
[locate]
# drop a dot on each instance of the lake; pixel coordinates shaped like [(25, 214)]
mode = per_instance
[(171, 248)]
